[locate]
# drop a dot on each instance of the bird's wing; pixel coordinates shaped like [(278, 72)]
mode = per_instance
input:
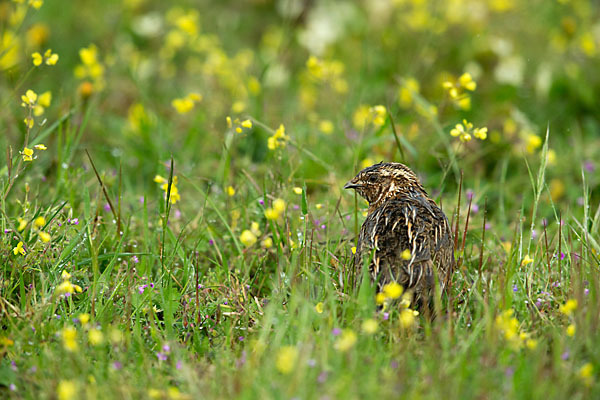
[(402, 224)]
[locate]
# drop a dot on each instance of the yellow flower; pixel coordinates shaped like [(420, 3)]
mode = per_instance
[(69, 337), (532, 142), (319, 307), (380, 298), (480, 133), (65, 274), (276, 211), (278, 139), (409, 88), (51, 58), (298, 190), (40, 147), (267, 243), (568, 307), (66, 390), (407, 318), (346, 340), (45, 236), (248, 238), (571, 330), (95, 337), (246, 124), (29, 98), (19, 249), (326, 126), (37, 4), (37, 59), (22, 224), (467, 82), (39, 222), (406, 255), (255, 228), (84, 318), (230, 191), (586, 373), (370, 326), (379, 115), (353, 249), (286, 358), (279, 206), (526, 260), (531, 344), (182, 106), (45, 99), (393, 290)]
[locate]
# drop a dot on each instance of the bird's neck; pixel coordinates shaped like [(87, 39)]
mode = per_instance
[(394, 192)]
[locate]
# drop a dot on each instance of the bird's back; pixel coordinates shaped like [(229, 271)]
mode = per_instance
[(408, 240)]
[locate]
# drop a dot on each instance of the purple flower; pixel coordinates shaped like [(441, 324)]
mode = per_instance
[(106, 207), (33, 370), (589, 166), (142, 199), (538, 303), (474, 208), (323, 226), (117, 365), (161, 356), (394, 364), (510, 371), (75, 221), (296, 207), (469, 194), (562, 256), (179, 364), (565, 356), (200, 286), (12, 387), (135, 259), (261, 202), (241, 338), (142, 288), (311, 362), (13, 365), (586, 291), (534, 234), (488, 226), (166, 348), (211, 242), (515, 288), (386, 316), (322, 377), (336, 331), (7, 231)]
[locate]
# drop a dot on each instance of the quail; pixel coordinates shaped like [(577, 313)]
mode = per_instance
[(405, 236)]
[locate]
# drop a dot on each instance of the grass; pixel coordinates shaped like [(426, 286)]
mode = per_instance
[(192, 257)]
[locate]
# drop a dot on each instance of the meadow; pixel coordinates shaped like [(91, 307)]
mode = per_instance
[(173, 219)]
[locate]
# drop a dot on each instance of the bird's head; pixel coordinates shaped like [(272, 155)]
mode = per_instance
[(383, 181)]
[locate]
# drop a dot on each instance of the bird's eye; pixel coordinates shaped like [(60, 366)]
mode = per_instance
[(372, 178)]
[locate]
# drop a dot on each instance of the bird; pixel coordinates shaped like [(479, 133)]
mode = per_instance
[(405, 236)]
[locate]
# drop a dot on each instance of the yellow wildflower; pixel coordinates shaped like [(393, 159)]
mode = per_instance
[(51, 58), (29, 98), (183, 105), (353, 249), (406, 255), (83, 318), (230, 191), (568, 307), (407, 318), (298, 190), (319, 307), (95, 337), (19, 249), (586, 373), (532, 142), (409, 88), (39, 222), (246, 124), (69, 337), (326, 126), (526, 260), (286, 358), (393, 290), (37, 59), (22, 224), (255, 228), (370, 326), (380, 298), (66, 390), (267, 243), (278, 139), (571, 330), (248, 238), (44, 236), (27, 154), (346, 340), (466, 81), (40, 147)]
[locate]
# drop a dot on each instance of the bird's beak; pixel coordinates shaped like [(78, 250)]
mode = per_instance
[(351, 185)]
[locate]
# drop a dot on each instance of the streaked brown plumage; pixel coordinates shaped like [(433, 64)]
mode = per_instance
[(401, 216)]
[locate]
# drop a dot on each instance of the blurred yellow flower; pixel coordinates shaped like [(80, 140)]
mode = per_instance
[(326, 126), (230, 191), (69, 337), (83, 318), (27, 154), (298, 190), (532, 142), (44, 236), (568, 307), (95, 337), (39, 222), (406, 254), (248, 238), (571, 330), (278, 139), (346, 341), (393, 290), (407, 318), (267, 243), (22, 224), (409, 88), (286, 358), (66, 390), (586, 374), (319, 307), (353, 249), (370, 326)]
